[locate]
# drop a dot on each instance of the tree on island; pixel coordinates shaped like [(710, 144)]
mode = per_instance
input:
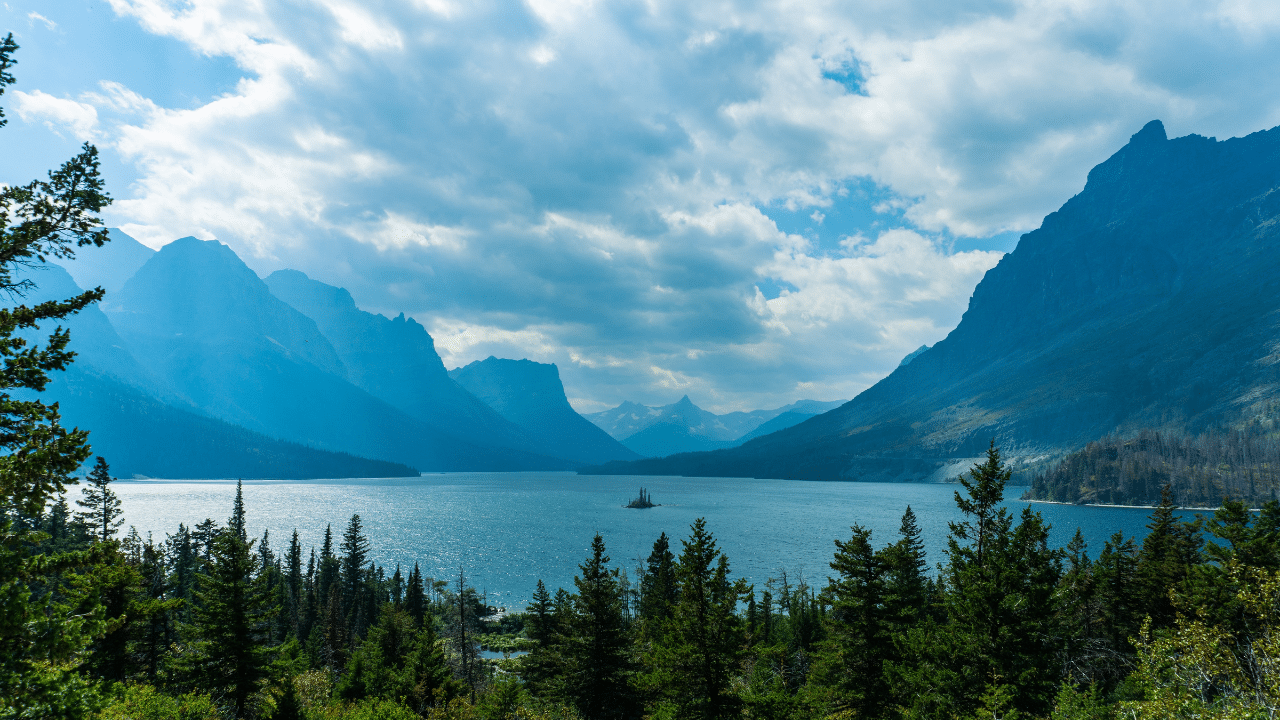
[(642, 501)]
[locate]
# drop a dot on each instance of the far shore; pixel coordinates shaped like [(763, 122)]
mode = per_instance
[(1138, 507)]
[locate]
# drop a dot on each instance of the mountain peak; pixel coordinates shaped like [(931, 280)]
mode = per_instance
[(1152, 133)]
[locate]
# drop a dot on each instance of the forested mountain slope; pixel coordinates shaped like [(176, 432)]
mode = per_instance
[(1149, 300)]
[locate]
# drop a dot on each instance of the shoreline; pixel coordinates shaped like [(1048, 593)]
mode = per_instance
[(1134, 507)]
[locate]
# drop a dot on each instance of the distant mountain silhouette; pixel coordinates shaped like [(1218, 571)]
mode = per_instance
[(778, 422), (395, 360), (143, 428), (531, 395), (684, 427), (201, 321), (109, 266), (1151, 299), (913, 355)]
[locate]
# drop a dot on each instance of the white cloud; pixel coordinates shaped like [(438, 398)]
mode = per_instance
[(579, 181), (58, 114), (37, 17)]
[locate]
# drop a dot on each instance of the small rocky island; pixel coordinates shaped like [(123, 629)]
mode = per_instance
[(642, 501)]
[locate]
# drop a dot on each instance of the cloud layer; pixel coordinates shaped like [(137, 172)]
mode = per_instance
[(595, 183)]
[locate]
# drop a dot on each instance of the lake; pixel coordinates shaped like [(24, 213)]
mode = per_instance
[(508, 530)]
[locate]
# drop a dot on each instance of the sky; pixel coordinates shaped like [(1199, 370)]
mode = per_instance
[(749, 203)]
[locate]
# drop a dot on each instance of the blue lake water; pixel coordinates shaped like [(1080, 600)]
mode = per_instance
[(508, 530)]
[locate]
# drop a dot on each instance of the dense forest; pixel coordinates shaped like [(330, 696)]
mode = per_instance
[(208, 623), (1199, 470)]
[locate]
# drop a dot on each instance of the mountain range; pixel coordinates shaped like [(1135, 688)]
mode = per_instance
[(684, 427), (1149, 300), (193, 366)]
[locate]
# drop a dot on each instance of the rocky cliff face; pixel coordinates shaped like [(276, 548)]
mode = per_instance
[(1151, 299), (395, 360), (530, 395)]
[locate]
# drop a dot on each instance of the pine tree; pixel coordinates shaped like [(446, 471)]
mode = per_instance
[(202, 536), (539, 626), (1117, 593), (102, 507), (851, 661), (462, 636), (355, 550), (598, 669), (185, 557), (46, 617), (658, 590), (692, 667), (236, 523), (327, 575), (230, 650), (294, 599), (1169, 552), (1000, 604), (397, 587), (906, 585), (427, 670), (415, 598), (543, 667)]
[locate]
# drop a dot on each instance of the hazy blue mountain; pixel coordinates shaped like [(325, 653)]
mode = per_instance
[(913, 355), (625, 420), (778, 422), (531, 395), (685, 427), (1150, 299), (668, 438), (109, 266), (144, 428), (199, 319), (95, 342), (141, 436), (395, 360)]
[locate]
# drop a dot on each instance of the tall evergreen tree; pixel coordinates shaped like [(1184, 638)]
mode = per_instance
[(1117, 595), (999, 606), (658, 590), (327, 575), (202, 536), (294, 590), (596, 653), (692, 667), (46, 620), (230, 649), (538, 624), (415, 597), (852, 658), (355, 550), (906, 584), (397, 587), (101, 506), (236, 523), (1169, 552)]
